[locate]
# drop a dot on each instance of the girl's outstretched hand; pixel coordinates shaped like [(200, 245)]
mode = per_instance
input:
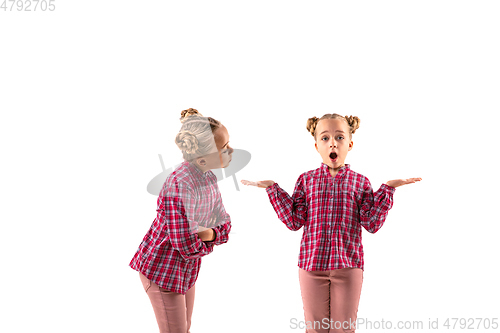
[(261, 183), (399, 182)]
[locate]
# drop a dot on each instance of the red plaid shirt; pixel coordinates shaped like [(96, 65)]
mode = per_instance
[(332, 211), (170, 253)]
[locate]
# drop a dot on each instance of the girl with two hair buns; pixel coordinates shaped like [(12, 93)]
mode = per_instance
[(190, 221), (332, 203)]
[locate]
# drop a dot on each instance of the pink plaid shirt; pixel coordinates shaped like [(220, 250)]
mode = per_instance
[(170, 253), (332, 211)]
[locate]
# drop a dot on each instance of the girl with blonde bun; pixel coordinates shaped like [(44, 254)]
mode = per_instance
[(332, 203), (190, 221)]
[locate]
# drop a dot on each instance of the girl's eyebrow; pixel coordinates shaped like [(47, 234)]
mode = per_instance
[(335, 131), (225, 144)]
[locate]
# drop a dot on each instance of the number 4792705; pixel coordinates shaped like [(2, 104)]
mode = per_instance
[(28, 5)]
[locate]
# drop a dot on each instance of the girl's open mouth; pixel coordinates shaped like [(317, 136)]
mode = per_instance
[(333, 157)]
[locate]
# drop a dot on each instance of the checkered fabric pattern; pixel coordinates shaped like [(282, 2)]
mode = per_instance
[(332, 211), (171, 251)]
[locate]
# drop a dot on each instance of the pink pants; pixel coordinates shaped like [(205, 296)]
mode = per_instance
[(172, 310), (331, 299)]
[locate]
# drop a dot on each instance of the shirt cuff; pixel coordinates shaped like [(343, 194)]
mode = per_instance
[(217, 234), (388, 188), (271, 188)]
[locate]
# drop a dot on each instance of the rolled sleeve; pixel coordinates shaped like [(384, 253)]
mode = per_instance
[(292, 211), (375, 206)]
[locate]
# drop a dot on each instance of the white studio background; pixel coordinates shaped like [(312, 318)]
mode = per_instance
[(91, 93)]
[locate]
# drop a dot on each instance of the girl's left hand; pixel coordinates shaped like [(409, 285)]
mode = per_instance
[(399, 182)]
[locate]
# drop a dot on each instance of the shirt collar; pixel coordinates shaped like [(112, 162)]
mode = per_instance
[(343, 169), (195, 171)]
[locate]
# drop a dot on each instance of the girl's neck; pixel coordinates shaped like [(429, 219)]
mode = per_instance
[(334, 171)]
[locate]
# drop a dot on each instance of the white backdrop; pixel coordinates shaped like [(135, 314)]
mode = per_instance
[(91, 93)]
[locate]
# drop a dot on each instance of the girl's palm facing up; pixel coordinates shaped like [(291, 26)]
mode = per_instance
[(261, 183), (399, 182)]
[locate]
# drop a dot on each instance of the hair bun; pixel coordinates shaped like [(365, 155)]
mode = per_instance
[(187, 142), (311, 125), (185, 114), (353, 122)]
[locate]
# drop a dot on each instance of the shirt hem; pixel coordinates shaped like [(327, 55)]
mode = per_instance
[(325, 270)]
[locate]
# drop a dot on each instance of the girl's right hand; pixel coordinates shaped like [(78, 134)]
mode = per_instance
[(261, 183), (206, 234), (399, 182)]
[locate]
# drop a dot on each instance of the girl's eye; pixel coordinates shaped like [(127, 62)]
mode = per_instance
[(327, 138)]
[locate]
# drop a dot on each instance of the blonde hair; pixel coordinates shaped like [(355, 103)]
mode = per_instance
[(196, 138), (351, 121)]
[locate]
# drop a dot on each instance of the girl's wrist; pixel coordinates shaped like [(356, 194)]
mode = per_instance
[(214, 235)]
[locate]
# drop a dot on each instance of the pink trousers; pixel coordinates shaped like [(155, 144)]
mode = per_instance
[(172, 310), (331, 299)]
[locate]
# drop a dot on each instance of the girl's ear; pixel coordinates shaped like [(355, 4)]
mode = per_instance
[(316, 145), (201, 161)]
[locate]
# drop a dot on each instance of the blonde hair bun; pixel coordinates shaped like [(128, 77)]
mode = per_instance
[(353, 123), (185, 114), (196, 136), (187, 142), (311, 125)]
